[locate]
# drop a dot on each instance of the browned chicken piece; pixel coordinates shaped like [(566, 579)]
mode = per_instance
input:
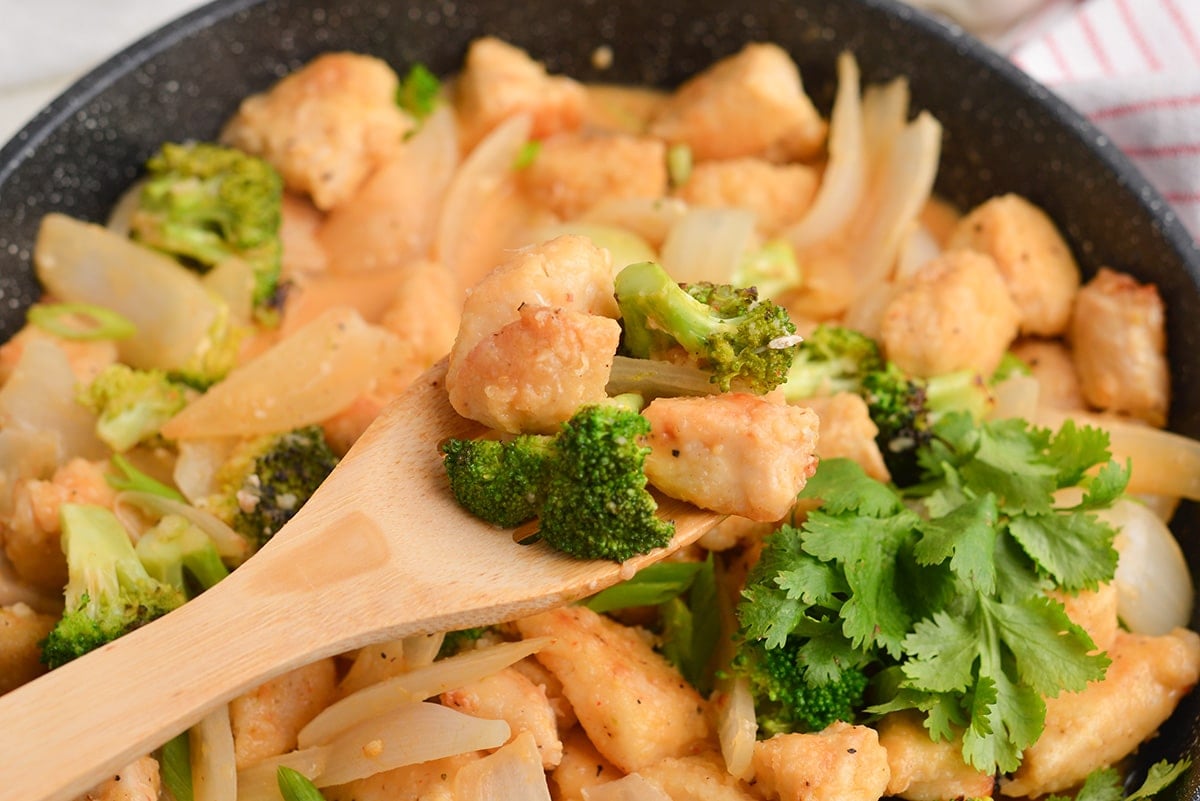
[(325, 127), (552, 688), (581, 767), (21, 631), (137, 781), (926, 770), (1035, 261), (557, 296), (847, 432), (535, 372), (1095, 611), (510, 696), (954, 314), (1051, 363), (32, 534), (426, 310), (424, 781), (778, 194), (735, 453), (636, 708), (302, 251), (1119, 343), (266, 720), (840, 763), (573, 172), (749, 104), (500, 81), (696, 778), (1097, 727)]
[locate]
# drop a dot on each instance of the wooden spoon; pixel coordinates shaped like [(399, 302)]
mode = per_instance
[(380, 551)]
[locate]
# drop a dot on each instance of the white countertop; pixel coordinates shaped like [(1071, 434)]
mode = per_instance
[(47, 44)]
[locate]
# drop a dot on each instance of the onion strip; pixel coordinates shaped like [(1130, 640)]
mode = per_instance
[(426, 682), (214, 769), (229, 544)]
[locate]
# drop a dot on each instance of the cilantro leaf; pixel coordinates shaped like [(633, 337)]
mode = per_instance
[(1075, 549), (1160, 776), (842, 485), (1050, 652), (1074, 450), (965, 535)]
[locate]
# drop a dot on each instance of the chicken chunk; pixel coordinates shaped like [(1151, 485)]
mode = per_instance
[(31, 536), (696, 778), (267, 719), (926, 770), (778, 194), (1096, 727), (1035, 261), (137, 781), (325, 127), (581, 767), (551, 687), (749, 104), (21, 631), (510, 696), (635, 706), (424, 781), (954, 314), (500, 80), (847, 432), (840, 763), (303, 254), (426, 310), (565, 272), (1119, 344), (735, 453), (1051, 364), (572, 173), (534, 373)]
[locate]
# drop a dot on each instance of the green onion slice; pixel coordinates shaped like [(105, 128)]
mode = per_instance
[(81, 321)]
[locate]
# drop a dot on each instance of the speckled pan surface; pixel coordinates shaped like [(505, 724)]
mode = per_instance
[(1003, 133)]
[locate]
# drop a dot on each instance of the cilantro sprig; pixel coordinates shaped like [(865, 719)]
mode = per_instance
[(943, 589)]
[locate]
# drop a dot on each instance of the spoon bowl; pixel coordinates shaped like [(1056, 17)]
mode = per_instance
[(380, 551)]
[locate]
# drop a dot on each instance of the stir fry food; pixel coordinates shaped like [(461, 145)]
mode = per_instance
[(944, 569)]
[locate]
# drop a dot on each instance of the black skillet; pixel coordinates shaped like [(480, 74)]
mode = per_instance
[(1003, 132)]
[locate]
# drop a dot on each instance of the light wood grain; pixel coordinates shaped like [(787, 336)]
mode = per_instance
[(379, 552)]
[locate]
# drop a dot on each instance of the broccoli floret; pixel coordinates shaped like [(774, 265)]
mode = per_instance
[(503, 483), (109, 592), (785, 699), (728, 331), (455, 642), (132, 404), (905, 408), (216, 353), (268, 478), (586, 484), (174, 547), (831, 359), (205, 204)]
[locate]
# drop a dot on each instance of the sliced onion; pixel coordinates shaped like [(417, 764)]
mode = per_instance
[(304, 379), (1015, 397), (513, 772), (1164, 463), (39, 398), (653, 379), (737, 727), (627, 788), (214, 769), (197, 465), (173, 311), (649, 218), (708, 244), (233, 281), (466, 231), (411, 733), (918, 248), (840, 193), (386, 660), (902, 181), (393, 218), (1154, 585), (425, 682), (260, 782), (229, 544)]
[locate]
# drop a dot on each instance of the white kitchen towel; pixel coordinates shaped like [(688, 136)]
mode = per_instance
[(1131, 66)]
